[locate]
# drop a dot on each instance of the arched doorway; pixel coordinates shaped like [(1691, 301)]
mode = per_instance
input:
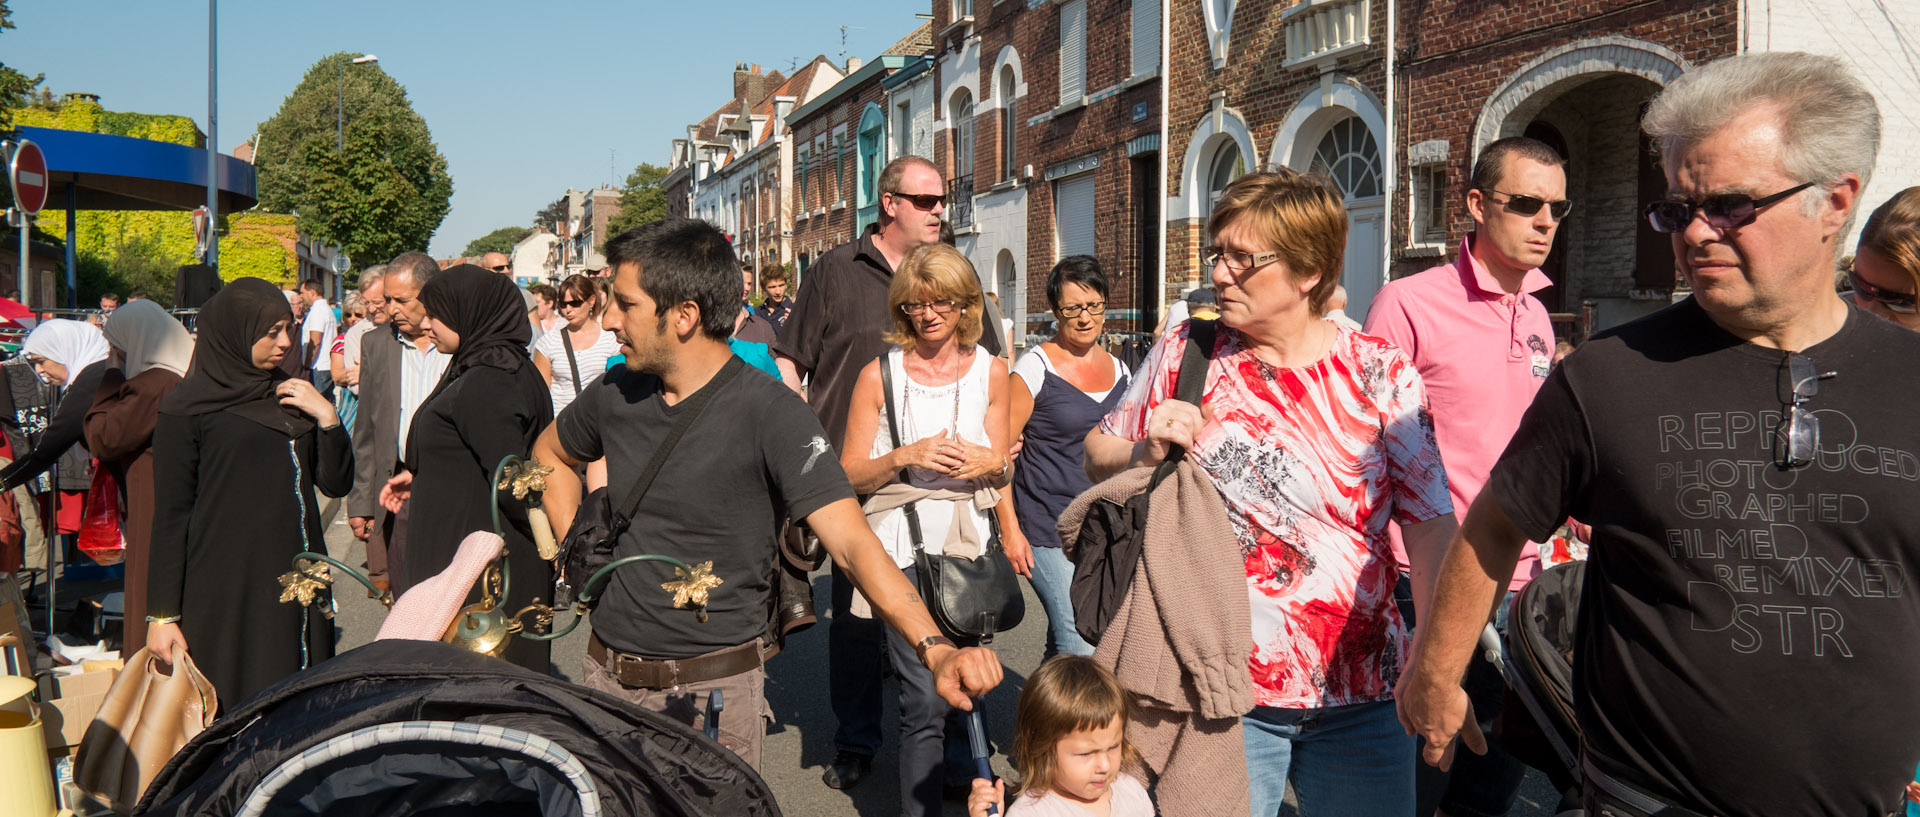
[(1012, 293), (872, 148), (1339, 133)]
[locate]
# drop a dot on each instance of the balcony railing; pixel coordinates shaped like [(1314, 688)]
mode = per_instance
[(1319, 29), (960, 202)]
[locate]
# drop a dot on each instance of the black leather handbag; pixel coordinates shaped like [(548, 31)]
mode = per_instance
[(595, 533), (970, 599)]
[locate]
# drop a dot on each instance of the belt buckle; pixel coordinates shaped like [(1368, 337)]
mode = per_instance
[(673, 674)]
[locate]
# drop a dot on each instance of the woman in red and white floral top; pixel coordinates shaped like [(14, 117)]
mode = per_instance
[(1316, 437)]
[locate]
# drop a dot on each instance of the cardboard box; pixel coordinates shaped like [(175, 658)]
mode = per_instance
[(66, 717)]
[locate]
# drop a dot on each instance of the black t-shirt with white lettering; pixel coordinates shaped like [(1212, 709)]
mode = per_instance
[(1749, 639), (754, 458)]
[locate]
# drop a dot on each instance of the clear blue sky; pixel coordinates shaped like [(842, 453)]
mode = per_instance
[(524, 99)]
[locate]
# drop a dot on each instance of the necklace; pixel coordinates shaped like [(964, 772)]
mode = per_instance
[(912, 429)]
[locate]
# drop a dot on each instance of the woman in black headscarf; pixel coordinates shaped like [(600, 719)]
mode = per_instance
[(237, 452), (490, 403)]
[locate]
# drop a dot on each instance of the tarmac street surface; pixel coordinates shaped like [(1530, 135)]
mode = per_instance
[(800, 737)]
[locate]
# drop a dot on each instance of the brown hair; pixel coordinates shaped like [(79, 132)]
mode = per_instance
[(1066, 694), (772, 272), (1302, 217), (1893, 231), (932, 272)]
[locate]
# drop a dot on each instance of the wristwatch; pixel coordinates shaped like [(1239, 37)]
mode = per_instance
[(923, 645)]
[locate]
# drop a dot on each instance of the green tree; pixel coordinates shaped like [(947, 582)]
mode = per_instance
[(384, 193), (501, 240), (643, 200), (552, 214)]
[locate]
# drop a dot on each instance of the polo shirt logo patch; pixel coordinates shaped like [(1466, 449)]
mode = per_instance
[(1542, 356)]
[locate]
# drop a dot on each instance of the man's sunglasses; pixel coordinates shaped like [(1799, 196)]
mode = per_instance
[(1726, 211), (1528, 205), (501, 268), (1902, 302), (924, 201), (1796, 441)]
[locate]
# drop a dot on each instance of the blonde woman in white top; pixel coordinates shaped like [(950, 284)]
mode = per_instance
[(950, 397), (579, 304)]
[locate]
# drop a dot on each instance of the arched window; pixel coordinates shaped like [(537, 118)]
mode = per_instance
[(1009, 122), (1227, 165), (962, 135), (1348, 155)]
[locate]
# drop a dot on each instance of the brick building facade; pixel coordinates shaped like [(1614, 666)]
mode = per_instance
[(1268, 83), (840, 145), (1577, 76), (1051, 116)]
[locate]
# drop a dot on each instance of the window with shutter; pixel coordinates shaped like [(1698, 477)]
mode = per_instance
[(1073, 51), (1146, 37), (1073, 216)]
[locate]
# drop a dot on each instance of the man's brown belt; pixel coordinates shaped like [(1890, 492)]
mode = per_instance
[(652, 673)]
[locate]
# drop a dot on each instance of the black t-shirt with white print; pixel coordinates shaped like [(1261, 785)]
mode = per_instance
[(755, 457), (1749, 638)]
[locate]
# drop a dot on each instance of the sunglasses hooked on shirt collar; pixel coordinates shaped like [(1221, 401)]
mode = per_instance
[(1529, 205)]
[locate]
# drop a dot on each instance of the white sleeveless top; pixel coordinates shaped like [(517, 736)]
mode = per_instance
[(925, 411)]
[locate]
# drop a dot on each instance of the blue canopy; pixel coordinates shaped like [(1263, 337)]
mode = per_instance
[(122, 173)]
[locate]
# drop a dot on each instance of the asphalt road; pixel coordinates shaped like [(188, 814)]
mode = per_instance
[(800, 737)]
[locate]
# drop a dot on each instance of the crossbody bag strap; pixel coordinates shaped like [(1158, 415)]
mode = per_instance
[(1190, 388), (893, 431), (690, 412), (566, 339)]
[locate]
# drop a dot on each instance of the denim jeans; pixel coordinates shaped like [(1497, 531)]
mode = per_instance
[(1052, 579), (1342, 761), (856, 653)]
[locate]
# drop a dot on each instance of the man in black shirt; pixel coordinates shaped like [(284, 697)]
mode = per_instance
[(753, 459), (1747, 461), (773, 281), (835, 330)]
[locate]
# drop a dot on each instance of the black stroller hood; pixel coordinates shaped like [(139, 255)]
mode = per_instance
[(424, 728)]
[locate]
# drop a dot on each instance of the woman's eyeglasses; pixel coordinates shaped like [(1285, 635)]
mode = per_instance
[(1074, 310), (1902, 302), (1238, 261), (1529, 205), (942, 306), (1724, 212)]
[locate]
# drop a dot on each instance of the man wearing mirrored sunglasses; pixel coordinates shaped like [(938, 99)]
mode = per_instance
[(1746, 459), (835, 330), (1481, 341)]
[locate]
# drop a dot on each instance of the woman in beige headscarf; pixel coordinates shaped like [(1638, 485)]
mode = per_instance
[(149, 352)]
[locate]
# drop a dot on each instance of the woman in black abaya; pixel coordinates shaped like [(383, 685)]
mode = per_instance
[(237, 452), (490, 403)]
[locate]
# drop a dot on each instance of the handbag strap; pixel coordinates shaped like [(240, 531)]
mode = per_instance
[(566, 340), (690, 412), (893, 431), (1190, 388)]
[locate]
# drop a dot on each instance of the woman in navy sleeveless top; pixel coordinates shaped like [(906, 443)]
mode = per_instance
[(1060, 391)]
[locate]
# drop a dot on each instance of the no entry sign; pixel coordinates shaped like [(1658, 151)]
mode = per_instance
[(28, 174)]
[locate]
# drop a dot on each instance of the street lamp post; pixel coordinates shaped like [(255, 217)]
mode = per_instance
[(340, 102)]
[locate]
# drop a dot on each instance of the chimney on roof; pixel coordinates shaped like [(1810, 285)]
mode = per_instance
[(853, 64), (749, 85)]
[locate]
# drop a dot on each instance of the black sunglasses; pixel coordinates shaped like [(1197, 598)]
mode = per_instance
[(572, 304), (1724, 212), (924, 201), (1902, 302), (1528, 205), (501, 268), (1796, 440)]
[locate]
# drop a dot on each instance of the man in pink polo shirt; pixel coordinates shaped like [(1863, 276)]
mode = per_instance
[(1483, 345)]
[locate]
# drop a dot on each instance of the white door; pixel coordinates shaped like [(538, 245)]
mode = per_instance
[(1348, 154), (1364, 272)]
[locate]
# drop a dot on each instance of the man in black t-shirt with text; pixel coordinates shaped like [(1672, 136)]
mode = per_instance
[(1747, 631), (754, 457)]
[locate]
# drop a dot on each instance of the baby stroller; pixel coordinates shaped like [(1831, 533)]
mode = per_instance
[(1538, 664), (431, 730)]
